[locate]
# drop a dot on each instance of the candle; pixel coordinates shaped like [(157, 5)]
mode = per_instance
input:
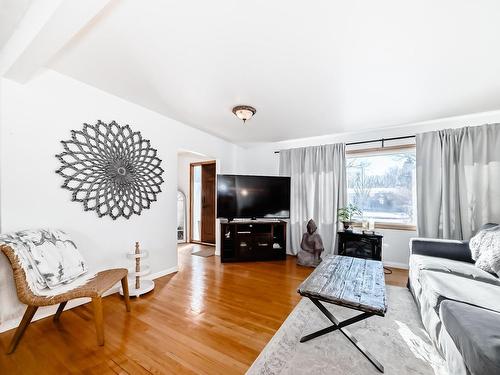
[(364, 224), (371, 224)]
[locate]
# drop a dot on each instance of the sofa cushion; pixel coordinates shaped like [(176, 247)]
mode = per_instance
[(476, 334), (440, 248), (464, 269), (440, 286)]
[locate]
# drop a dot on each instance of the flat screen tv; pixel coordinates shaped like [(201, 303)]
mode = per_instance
[(253, 197)]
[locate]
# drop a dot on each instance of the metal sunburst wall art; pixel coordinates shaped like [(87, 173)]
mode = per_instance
[(111, 169)]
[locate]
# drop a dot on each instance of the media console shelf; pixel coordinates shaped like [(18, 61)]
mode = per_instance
[(253, 240)]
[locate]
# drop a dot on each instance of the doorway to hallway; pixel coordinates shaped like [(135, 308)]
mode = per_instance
[(202, 204)]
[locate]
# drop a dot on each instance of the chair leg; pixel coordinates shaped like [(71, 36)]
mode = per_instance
[(59, 311), (126, 296), (28, 315), (98, 318)]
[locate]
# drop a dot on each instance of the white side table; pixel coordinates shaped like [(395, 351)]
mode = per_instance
[(137, 285)]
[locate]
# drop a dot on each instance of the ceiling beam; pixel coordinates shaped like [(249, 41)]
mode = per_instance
[(47, 26)]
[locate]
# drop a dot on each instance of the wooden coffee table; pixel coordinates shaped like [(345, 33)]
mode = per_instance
[(354, 283)]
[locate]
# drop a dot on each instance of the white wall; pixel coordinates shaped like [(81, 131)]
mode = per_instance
[(261, 159), (36, 116), (1, 119)]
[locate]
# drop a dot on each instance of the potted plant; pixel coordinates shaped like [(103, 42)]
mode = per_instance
[(345, 214)]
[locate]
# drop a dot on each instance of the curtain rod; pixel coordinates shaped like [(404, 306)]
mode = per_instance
[(383, 140)]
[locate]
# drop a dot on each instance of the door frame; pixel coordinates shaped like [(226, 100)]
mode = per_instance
[(191, 183)]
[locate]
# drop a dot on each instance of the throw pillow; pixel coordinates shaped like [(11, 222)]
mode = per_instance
[(485, 249)]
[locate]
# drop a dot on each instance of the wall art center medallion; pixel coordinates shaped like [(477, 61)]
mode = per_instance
[(110, 169)]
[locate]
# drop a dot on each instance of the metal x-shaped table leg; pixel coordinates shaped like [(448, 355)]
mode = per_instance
[(338, 326)]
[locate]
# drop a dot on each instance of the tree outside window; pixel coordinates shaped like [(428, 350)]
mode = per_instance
[(382, 185)]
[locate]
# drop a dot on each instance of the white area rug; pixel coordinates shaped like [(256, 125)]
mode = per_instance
[(397, 340)]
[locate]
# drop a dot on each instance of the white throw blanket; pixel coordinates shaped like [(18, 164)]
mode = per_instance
[(10, 307), (51, 262)]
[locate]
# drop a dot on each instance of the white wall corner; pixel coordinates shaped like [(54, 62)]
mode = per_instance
[(47, 26)]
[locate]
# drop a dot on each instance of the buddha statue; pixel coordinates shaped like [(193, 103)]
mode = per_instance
[(311, 247)]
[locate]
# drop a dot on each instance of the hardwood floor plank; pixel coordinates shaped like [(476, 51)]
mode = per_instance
[(209, 318)]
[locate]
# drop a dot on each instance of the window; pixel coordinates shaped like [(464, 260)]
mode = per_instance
[(381, 182)]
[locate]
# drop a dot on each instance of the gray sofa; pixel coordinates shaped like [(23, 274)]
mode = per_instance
[(459, 305)]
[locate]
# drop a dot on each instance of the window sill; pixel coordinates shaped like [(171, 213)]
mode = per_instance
[(393, 226)]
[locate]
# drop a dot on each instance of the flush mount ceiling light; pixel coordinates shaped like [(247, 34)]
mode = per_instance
[(244, 112)]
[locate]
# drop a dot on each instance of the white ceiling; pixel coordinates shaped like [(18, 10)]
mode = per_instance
[(11, 12), (309, 67)]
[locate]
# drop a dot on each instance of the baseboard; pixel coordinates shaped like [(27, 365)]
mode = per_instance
[(44, 312), (403, 266), (158, 274)]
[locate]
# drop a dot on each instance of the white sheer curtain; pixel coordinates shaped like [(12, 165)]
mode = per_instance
[(318, 189), (458, 181)]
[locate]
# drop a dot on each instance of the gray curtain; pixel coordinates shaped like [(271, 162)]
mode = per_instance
[(458, 181), (318, 189)]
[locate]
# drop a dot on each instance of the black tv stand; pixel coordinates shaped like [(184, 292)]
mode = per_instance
[(253, 240)]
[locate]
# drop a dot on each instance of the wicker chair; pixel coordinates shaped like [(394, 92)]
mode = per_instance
[(94, 289)]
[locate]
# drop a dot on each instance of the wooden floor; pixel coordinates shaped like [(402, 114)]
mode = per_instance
[(209, 318)]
